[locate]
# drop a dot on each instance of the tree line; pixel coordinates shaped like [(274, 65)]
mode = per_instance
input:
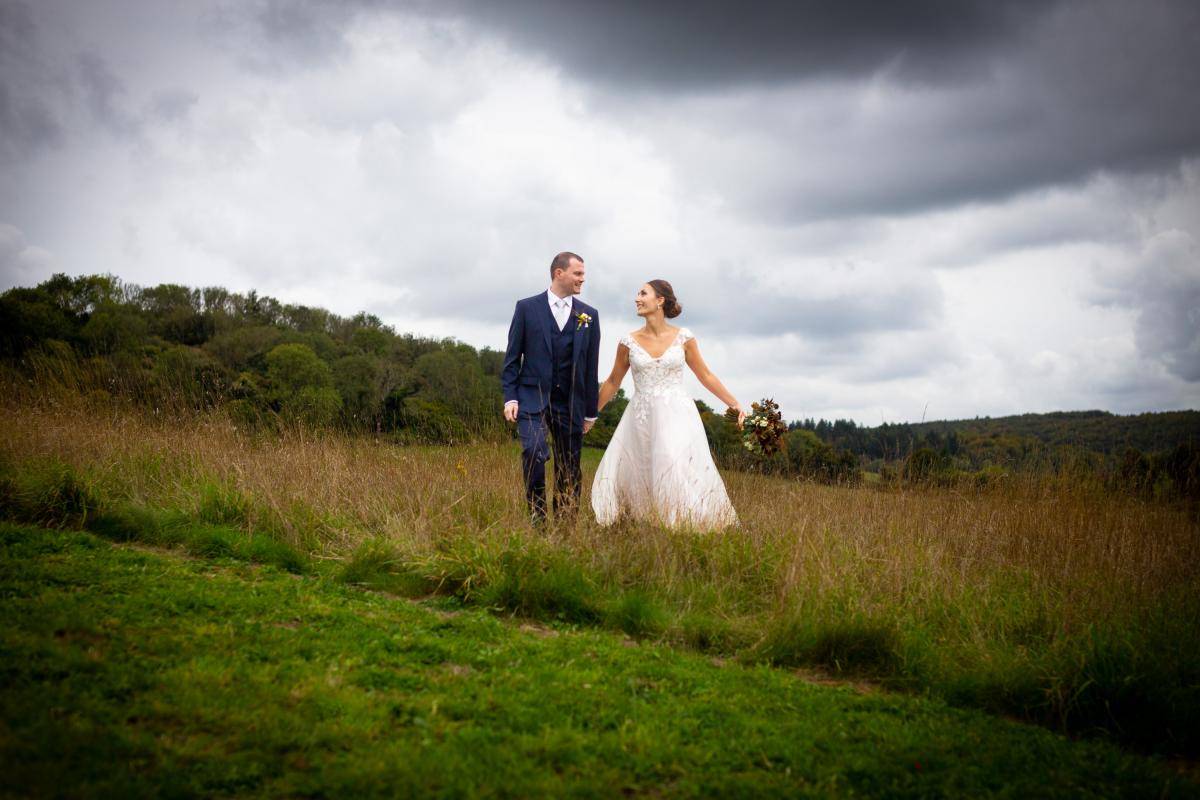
[(267, 362), (1153, 454)]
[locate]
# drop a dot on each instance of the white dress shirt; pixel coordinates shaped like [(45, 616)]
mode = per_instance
[(560, 307)]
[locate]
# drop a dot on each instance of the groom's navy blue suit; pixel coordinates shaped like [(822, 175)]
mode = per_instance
[(554, 377)]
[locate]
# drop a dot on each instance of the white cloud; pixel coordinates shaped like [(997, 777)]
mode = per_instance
[(20, 263)]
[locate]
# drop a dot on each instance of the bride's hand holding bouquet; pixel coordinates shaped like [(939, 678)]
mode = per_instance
[(763, 430)]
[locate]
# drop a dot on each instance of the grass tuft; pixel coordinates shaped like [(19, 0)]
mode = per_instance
[(636, 613), (128, 524), (47, 492), (267, 550), (377, 565), (212, 541), (849, 645), (538, 582), (707, 632), (220, 504)]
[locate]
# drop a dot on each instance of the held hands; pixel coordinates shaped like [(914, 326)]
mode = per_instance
[(741, 414), (511, 409)]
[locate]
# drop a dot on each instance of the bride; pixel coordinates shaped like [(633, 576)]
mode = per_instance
[(658, 466)]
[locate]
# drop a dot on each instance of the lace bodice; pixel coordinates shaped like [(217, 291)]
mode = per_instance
[(657, 377)]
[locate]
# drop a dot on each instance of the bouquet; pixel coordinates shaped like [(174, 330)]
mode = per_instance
[(763, 429)]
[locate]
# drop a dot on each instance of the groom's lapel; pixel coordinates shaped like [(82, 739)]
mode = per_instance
[(549, 323), (579, 329)]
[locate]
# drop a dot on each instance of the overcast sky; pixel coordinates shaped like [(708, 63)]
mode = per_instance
[(873, 211)]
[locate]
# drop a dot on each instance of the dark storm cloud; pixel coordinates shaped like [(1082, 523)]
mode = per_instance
[(1005, 97), (765, 103), (1090, 88), (27, 122), (669, 45), (681, 44)]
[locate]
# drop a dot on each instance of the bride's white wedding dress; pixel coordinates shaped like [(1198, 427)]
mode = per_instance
[(657, 466)]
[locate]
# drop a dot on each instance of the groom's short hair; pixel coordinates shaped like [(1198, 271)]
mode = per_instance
[(563, 261)]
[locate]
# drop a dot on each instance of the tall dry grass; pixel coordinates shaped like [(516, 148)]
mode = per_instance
[(1037, 596)]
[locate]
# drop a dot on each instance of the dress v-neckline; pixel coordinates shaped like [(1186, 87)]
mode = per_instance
[(664, 352)]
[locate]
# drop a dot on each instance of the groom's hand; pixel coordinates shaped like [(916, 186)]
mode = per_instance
[(510, 410)]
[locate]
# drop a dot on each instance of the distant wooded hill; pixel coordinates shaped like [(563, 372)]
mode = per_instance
[(1095, 431)]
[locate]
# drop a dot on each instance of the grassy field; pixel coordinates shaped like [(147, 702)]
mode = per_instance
[(1042, 600), (131, 672)]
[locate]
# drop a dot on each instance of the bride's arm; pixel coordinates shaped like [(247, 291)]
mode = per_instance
[(706, 377), (609, 388)]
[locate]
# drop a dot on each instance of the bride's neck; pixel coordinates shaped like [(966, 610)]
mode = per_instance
[(657, 324)]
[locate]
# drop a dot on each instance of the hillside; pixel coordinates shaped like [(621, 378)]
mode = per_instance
[(136, 672), (1099, 431), (1019, 435)]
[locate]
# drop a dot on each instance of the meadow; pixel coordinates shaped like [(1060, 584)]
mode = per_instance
[(135, 671), (1041, 599)]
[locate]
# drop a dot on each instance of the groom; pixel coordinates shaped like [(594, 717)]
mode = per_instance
[(550, 380)]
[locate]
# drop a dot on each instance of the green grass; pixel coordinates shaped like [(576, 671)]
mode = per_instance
[(130, 672), (1134, 680)]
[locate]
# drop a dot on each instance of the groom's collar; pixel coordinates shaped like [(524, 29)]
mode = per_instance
[(551, 297)]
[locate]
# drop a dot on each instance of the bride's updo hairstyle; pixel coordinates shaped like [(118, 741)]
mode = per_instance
[(671, 307)]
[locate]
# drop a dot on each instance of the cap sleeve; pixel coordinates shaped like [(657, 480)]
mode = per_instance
[(627, 340), (685, 335)]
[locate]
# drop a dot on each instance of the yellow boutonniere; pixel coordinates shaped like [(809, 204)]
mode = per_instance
[(582, 320)]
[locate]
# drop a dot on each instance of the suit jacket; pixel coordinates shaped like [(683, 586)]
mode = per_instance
[(528, 372)]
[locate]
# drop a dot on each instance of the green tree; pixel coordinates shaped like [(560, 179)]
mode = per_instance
[(453, 378), (301, 384), (245, 348), (189, 376), (372, 341), (114, 327), (31, 316), (807, 456), (357, 379)]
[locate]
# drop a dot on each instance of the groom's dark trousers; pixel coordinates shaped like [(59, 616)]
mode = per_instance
[(553, 376), (566, 441)]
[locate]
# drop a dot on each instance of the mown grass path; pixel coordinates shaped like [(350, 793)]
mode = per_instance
[(128, 672)]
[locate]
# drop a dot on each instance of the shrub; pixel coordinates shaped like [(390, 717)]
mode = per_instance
[(928, 467)]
